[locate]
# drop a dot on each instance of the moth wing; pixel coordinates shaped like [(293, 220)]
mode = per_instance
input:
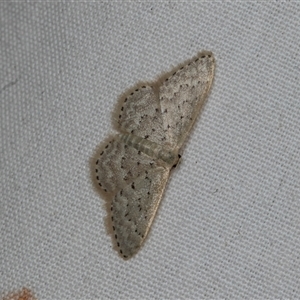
[(134, 183), (140, 114), (182, 95), (134, 207), (118, 164)]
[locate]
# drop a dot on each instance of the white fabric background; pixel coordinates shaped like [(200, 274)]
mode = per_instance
[(228, 226)]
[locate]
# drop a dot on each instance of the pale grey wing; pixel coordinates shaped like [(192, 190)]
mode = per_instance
[(182, 95), (134, 207), (140, 115), (135, 185), (118, 164)]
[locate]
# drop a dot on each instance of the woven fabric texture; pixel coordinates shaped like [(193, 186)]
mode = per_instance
[(228, 225)]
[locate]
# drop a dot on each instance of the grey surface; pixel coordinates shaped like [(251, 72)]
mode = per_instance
[(228, 226)]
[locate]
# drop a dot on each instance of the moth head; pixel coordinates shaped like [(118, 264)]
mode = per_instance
[(170, 156)]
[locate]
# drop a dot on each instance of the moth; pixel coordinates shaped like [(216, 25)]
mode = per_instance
[(153, 121)]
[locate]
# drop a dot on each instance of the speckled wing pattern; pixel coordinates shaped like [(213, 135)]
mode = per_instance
[(133, 168), (182, 95), (136, 183), (140, 114), (118, 164)]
